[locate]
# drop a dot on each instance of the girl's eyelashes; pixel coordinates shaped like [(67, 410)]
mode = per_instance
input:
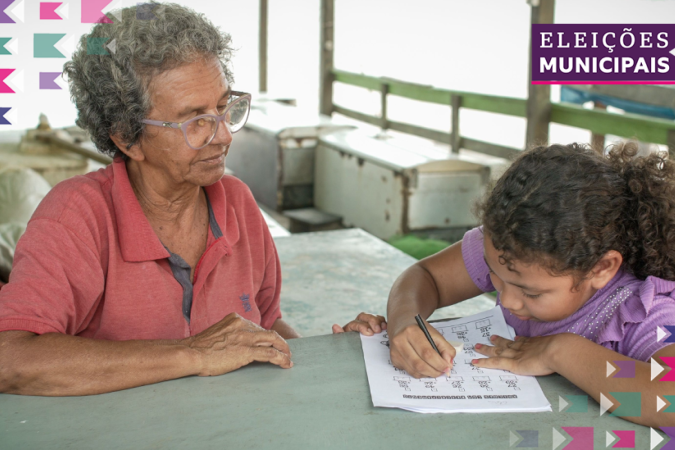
[(531, 295)]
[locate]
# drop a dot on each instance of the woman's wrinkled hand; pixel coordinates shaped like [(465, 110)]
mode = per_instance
[(235, 342), (522, 356), (366, 324)]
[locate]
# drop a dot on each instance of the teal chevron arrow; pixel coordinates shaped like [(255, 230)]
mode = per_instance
[(3, 50), (630, 404), (43, 45)]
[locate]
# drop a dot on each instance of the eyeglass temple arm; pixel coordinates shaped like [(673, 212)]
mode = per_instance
[(160, 123)]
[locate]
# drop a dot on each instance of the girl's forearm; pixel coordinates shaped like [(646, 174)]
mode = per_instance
[(584, 363), (414, 292)]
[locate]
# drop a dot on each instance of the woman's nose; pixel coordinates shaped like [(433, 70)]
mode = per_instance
[(223, 134)]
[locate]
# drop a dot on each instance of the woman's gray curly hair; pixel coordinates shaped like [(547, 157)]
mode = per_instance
[(111, 90)]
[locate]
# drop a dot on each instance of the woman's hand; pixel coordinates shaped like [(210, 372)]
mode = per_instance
[(366, 324), (411, 351), (235, 342), (523, 356)]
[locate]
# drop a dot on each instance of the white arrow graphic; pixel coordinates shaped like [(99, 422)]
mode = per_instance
[(16, 81), (660, 334), (13, 46), (18, 11), (513, 438), (562, 404), (656, 369), (610, 369), (557, 439), (609, 439), (605, 404), (654, 439), (62, 10), (659, 404)]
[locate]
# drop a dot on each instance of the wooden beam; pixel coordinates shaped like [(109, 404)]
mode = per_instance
[(456, 103), (367, 118), (539, 95), (384, 90), (634, 126), (597, 139), (500, 151), (326, 58), (488, 148), (262, 48), (481, 102)]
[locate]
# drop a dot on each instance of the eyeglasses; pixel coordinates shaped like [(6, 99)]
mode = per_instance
[(200, 131)]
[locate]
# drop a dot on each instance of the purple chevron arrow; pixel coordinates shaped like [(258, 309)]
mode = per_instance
[(670, 432), (4, 18), (47, 80), (671, 330), (626, 369), (3, 120)]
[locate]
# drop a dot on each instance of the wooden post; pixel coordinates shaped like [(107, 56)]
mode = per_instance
[(598, 140), (384, 90), (671, 144), (539, 95), (326, 59), (262, 48), (455, 137)]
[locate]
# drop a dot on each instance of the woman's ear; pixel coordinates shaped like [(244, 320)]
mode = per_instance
[(605, 269), (133, 151)]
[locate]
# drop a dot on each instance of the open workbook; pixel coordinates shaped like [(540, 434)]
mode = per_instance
[(467, 388)]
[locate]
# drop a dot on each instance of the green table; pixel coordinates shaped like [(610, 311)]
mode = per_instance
[(321, 403), (331, 276)]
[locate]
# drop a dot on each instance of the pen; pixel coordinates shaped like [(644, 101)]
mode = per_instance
[(420, 322)]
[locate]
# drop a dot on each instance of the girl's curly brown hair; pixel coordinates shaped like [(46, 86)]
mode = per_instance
[(565, 206)]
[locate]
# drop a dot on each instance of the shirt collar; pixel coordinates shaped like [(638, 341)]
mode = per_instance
[(138, 241)]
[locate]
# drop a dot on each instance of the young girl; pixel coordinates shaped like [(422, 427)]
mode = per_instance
[(581, 250)]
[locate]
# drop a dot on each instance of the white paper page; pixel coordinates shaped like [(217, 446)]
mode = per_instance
[(468, 388)]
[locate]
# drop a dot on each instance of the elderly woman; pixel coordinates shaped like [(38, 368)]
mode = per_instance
[(158, 266)]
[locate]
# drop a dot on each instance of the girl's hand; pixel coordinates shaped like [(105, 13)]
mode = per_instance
[(410, 350), (366, 324), (524, 356)]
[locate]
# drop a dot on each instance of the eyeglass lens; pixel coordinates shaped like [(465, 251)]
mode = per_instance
[(201, 131)]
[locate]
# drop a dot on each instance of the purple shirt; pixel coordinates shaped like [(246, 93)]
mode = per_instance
[(622, 316)]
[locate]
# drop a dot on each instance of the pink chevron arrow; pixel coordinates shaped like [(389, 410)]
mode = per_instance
[(4, 88), (582, 438), (91, 11), (670, 362), (48, 11), (626, 438)]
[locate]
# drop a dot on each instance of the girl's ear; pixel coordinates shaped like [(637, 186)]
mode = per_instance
[(133, 151), (605, 269)]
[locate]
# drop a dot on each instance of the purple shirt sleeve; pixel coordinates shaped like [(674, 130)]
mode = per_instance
[(472, 252), (639, 339)]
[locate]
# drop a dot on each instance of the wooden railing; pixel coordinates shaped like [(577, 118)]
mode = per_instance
[(632, 126)]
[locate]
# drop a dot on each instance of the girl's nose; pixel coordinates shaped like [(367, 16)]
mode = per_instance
[(510, 300)]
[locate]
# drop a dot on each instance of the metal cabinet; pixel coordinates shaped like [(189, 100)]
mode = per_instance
[(274, 153), (389, 189)]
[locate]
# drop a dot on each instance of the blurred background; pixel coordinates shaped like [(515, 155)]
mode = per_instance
[(389, 159)]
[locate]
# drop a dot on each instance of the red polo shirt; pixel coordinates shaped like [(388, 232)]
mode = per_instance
[(91, 265)]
